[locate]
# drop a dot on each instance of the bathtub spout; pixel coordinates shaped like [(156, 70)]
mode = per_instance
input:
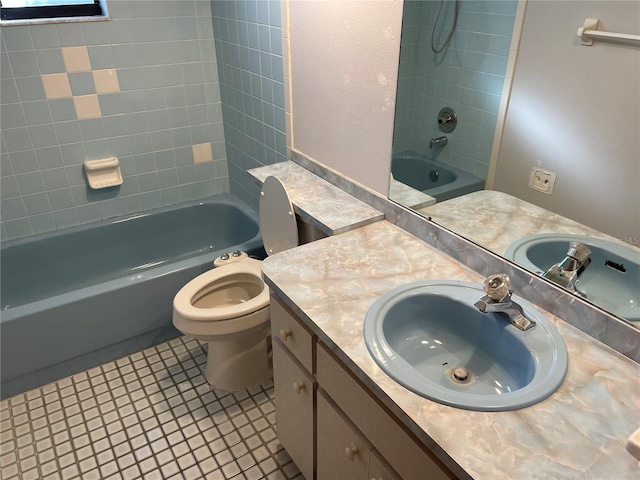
[(438, 142)]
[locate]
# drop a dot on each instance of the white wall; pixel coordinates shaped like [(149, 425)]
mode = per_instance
[(575, 110), (344, 68)]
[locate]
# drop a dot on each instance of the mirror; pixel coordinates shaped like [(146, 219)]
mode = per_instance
[(589, 163), (459, 65)]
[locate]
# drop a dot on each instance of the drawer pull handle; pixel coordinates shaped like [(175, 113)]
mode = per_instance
[(284, 334), (298, 387), (351, 453)]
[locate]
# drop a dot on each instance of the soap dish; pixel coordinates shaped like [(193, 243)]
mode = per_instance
[(103, 173)]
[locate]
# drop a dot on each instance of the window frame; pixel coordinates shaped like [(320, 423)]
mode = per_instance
[(65, 12)]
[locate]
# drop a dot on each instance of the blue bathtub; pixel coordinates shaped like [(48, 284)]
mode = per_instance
[(434, 178), (79, 297)]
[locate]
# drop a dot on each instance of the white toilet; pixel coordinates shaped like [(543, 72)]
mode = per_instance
[(229, 305)]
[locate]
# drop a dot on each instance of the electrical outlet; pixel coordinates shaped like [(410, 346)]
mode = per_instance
[(542, 180)]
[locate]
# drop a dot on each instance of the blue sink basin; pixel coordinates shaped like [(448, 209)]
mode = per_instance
[(612, 279), (430, 338)]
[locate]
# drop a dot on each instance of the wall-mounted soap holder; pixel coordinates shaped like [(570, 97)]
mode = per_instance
[(103, 173)]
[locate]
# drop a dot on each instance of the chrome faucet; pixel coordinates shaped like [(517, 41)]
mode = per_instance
[(498, 300), (568, 271), (438, 141)]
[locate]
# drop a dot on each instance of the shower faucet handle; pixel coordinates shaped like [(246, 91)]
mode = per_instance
[(447, 120)]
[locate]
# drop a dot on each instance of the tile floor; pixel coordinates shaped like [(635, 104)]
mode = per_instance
[(150, 415)]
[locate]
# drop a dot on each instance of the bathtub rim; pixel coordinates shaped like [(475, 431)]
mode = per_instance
[(227, 198), (38, 306), (465, 182)]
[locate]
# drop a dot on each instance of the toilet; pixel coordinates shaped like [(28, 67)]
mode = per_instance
[(228, 306)]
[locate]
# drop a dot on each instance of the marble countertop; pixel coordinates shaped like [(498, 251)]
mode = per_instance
[(495, 220), (317, 201), (579, 432), (409, 197)]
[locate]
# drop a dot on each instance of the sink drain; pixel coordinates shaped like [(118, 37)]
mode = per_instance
[(460, 375)]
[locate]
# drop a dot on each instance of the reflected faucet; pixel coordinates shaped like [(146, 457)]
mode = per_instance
[(438, 141), (567, 273), (498, 300)]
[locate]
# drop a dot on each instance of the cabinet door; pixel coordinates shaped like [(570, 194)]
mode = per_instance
[(408, 458), (342, 452), (294, 391), (379, 469)]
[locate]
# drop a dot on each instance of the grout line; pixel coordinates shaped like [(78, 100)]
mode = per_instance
[(148, 415)]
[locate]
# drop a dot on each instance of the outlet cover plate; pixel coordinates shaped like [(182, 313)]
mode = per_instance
[(542, 180)]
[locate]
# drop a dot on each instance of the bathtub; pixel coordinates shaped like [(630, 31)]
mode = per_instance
[(432, 177), (82, 296)]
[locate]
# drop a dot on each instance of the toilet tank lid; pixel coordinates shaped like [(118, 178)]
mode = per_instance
[(278, 224)]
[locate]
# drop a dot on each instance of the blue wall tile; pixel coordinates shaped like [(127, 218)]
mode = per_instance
[(30, 88), (165, 61), (13, 208), (71, 34), (12, 115), (37, 112), (44, 36), (9, 187), (29, 183), (43, 135), (82, 83), (18, 228), (50, 60), (9, 91), (16, 139), (42, 223), (23, 63), (249, 56)]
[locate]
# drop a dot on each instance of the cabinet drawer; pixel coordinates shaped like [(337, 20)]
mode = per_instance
[(294, 391), (343, 453), (294, 335), (410, 459)]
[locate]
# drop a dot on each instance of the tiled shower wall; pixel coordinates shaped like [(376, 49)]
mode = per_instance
[(467, 76), (142, 87), (249, 49)]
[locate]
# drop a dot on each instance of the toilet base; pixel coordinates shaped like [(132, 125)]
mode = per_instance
[(236, 362)]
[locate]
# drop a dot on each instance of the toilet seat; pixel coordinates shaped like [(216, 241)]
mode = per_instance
[(247, 271), (228, 307), (278, 224)]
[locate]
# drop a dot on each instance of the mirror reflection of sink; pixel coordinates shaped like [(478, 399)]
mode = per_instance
[(429, 337), (612, 279)]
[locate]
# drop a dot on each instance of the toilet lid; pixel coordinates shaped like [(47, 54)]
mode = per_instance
[(277, 219)]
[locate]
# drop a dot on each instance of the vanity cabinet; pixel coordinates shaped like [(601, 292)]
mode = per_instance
[(294, 409), (343, 452), (295, 388), (329, 422)]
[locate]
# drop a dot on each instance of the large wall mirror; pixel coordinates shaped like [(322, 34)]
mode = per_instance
[(563, 167)]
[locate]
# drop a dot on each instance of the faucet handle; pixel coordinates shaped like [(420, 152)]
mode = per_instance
[(497, 286), (579, 251)]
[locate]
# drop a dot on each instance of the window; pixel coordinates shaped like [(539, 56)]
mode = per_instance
[(48, 9)]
